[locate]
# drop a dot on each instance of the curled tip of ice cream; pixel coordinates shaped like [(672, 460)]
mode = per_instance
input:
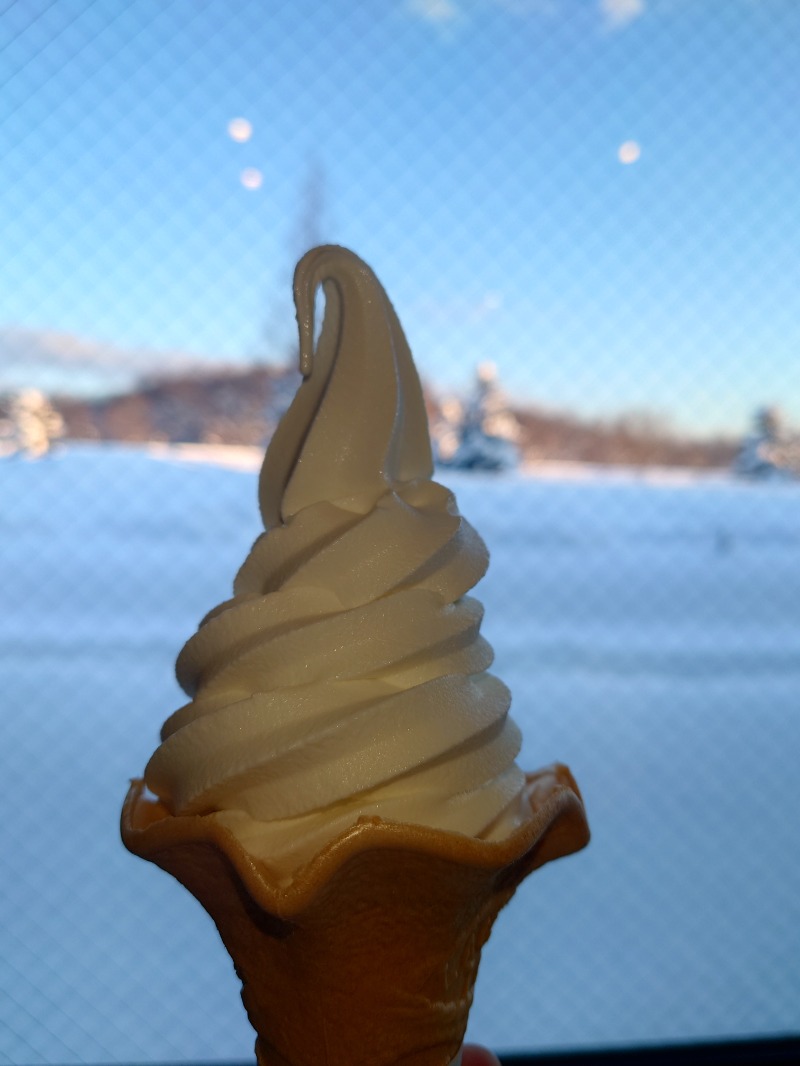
[(357, 425)]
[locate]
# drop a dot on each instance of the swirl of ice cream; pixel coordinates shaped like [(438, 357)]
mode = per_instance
[(347, 676)]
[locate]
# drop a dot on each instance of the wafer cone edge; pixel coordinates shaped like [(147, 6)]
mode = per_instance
[(368, 956)]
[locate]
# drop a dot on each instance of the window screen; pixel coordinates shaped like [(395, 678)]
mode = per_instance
[(586, 215)]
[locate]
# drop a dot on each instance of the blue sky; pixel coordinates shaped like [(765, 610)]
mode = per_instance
[(468, 149)]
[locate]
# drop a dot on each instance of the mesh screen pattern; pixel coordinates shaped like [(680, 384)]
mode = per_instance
[(586, 215)]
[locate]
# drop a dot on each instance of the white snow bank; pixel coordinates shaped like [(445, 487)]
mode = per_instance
[(649, 635)]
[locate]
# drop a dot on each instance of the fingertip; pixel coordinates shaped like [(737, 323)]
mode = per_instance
[(474, 1055)]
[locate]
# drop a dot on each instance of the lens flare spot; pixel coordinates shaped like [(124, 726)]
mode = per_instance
[(629, 152), (240, 130), (252, 178)]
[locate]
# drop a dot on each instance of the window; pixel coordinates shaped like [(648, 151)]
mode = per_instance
[(586, 216)]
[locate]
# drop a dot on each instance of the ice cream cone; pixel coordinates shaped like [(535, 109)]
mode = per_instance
[(369, 956)]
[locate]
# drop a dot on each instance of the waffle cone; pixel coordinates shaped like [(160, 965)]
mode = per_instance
[(369, 956)]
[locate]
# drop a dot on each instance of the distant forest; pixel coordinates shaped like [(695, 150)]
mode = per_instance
[(244, 406)]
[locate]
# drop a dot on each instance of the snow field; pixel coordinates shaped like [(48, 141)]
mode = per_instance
[(649, 633)]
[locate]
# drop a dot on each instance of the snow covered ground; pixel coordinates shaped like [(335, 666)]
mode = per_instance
[(649, 632)]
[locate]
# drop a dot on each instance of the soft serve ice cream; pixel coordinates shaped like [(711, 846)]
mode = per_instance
[(347, 676)]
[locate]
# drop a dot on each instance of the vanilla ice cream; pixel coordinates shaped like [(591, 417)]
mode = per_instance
[(347, 676)]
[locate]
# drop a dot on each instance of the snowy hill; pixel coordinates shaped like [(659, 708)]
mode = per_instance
[(649, 634)]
